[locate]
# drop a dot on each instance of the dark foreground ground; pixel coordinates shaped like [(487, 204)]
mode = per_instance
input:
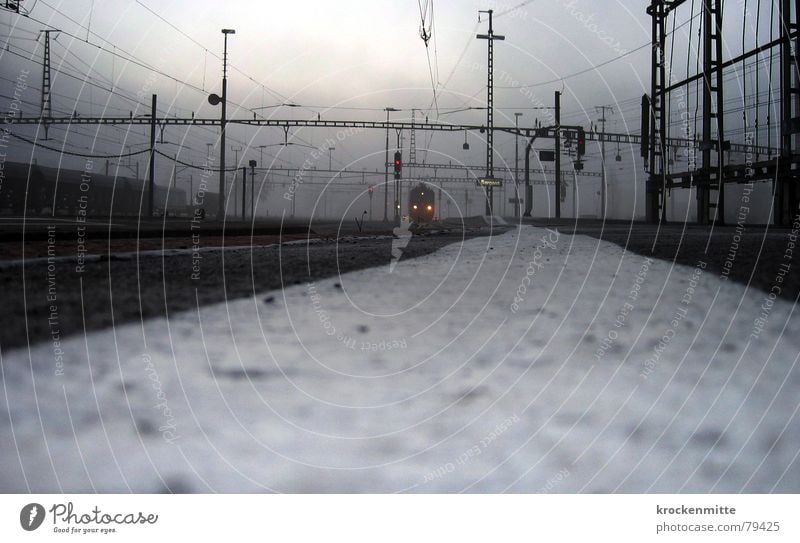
[(123, 285), (752, 255)]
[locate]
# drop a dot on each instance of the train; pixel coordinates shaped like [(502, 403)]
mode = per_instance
[(33, 190), (421, 204)]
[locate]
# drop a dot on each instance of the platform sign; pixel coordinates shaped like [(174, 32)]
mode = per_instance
[(547, 156), (490, 182)]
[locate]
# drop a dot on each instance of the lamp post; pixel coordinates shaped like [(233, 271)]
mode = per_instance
[(236, 150), (214, 99)]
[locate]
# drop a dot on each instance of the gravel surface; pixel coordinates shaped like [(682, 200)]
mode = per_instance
[(751, 255), (116, 289), (121, 288)]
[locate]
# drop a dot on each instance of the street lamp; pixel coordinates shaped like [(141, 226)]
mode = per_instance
[(214, 99)]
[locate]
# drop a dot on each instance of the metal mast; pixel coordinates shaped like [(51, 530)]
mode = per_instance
[(490, 37), (45, 111), (223, 124), (603, 110)]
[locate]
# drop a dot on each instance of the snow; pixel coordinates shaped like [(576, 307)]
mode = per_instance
[(491, 365)]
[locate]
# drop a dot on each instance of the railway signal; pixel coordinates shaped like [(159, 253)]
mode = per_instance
[(398, 164), (581, 142)]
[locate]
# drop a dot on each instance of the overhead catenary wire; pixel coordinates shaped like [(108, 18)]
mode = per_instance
[(123, 54), (589, 69), (74, 153), (115, 54)]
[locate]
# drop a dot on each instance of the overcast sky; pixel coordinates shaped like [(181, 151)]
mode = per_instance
[(360, 54)]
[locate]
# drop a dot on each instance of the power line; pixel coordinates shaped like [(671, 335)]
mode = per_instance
[(591, 68), (72, 153)]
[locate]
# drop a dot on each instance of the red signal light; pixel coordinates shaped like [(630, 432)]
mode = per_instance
[(398, 164)]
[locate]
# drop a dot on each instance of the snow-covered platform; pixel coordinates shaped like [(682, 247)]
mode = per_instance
[(527, 362)]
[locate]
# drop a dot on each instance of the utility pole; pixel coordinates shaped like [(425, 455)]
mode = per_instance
[(46, 105), (213, 99), (386, 170), (398, 183), (244, 191), (151, 174), (235, 174), (236, 150), (253, 165), (575, 194), (412, 149), (516, 164), (490, 37), (602, 110), (558, 154), (330, 158), (261, 154)]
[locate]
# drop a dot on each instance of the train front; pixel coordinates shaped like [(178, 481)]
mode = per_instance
[(421, 204)]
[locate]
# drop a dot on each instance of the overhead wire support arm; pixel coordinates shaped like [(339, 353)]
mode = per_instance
[(550, 132)]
